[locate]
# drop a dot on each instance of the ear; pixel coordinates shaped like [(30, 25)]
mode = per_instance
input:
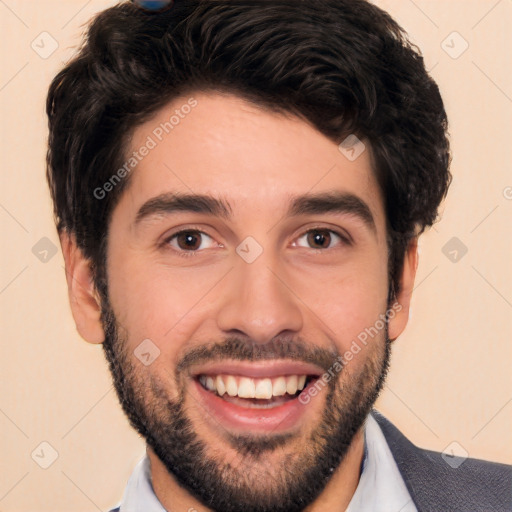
[(402, 302), (83, 297)]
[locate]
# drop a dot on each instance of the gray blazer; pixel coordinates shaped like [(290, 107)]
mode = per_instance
[(435, 486)]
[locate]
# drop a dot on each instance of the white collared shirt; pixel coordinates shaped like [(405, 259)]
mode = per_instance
[(380, 488)]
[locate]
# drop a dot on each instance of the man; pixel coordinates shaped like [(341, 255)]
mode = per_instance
[(239, 187)]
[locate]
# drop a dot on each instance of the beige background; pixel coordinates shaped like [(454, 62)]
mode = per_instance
[(450, 378)]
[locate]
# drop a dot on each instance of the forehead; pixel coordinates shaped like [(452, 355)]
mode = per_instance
[(257, 160)]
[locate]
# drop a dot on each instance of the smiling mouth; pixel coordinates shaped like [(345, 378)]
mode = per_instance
[(259, 393)]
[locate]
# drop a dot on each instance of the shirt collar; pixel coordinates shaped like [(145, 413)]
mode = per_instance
[(139, 495), (381, 488)]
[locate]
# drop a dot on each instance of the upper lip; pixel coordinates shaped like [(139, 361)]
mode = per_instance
[(257, 369)]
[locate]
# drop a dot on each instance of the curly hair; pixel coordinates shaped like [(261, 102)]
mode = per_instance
[(345, 66)]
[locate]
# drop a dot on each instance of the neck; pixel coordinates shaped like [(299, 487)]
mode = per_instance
[(336, 495)]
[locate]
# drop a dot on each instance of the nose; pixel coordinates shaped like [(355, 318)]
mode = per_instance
[(258, 302)]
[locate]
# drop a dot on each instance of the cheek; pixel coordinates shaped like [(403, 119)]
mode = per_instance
[(348, 301), (151, 301)]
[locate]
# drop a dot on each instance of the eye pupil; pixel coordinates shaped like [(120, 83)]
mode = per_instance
[(188, 238), (319, 238)]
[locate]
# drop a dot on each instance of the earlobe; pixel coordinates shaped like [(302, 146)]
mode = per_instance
[(83, 297), (398, 322)]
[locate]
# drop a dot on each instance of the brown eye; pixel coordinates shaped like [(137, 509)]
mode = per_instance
[(322, 239), (319, 239), (190, 240)]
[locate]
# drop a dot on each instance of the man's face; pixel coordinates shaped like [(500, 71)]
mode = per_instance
[(250, 295)]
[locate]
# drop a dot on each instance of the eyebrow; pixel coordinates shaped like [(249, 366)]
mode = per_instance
[(307, 204)]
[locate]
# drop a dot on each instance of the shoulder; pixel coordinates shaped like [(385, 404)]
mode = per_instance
[(440, 482)]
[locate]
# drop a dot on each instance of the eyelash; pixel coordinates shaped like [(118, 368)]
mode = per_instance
[(188, 254)]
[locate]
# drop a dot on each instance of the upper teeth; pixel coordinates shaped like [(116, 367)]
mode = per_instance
[(245, 387)]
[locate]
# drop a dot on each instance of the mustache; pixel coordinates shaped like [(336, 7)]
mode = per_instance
[(241, 349)]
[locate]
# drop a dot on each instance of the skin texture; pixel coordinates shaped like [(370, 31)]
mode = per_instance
[(321, 299)]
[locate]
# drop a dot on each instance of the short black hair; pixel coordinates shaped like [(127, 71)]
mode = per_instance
[(344, 66)]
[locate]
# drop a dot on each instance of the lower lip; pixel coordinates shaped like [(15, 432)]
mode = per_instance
[(235, 417)]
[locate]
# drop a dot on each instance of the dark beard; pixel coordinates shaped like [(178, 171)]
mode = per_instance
[(220, 485)]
